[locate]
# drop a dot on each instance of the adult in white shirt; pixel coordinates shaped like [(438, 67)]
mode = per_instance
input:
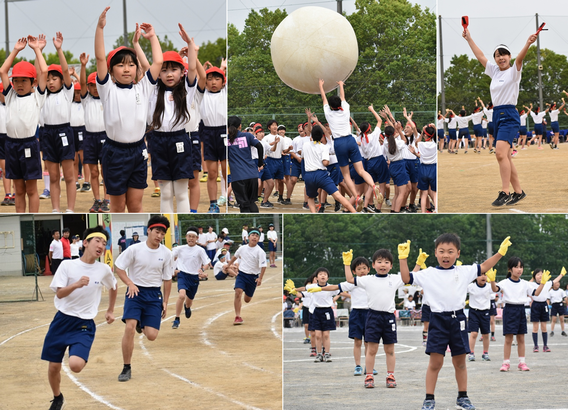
[(55, 251)]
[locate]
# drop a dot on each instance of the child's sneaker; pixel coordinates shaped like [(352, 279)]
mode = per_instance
[(319, 358), (187, 311), (471, 357), (96, 206), (307, 340), (77, 186), (327, 357), (514, 198), (481, 338), (214, 209), (535, 349), (546, 349), (523, 367), (564, 333), (86, 187), (156, 193), (204, 177), (502, 199), (6, 200), (391, 382), (358, 371), (429, 405), (493, 338), (238, 320), (175, 324), (505, 367), (57, 403), (485, 357), (44, 194), (105, 206), (313, 352), (369, 381), (551, 334), (464, 403), (388, 202)]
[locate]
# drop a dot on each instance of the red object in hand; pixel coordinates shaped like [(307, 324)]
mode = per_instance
[(465, 22), (540, 29)]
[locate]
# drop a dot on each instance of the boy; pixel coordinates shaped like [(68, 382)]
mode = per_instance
[(149, 264), (23, 106), (446, 286), (55, 251), (191, 261), (77, 286), (252, 265), (221, 269), (479, 315), (273, 164)]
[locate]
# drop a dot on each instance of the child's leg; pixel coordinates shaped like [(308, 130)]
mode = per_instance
[(472, 338), (544, 333), (391, 359), (562, 322), (326, 341), (213, 170), (371, 350), (268, 187), (70, 179), (20, 188), (166, 197), (357, 351), (133, 200), (507, 346), (33, 196), (552, 323), (238, 302), (179, 301), (535, 333), (434, 365), (461, 371), (54, 186), (485, 342), (94, 169), (76, 364), (182, 196), (492, 323), (313, 339), (521, 345), (306, 331), (423, 200), (311, 204), (400, 197), (319, 341), (54, 377), (342, 200)]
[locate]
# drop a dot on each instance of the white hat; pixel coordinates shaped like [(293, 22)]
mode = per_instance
[(225, 231)]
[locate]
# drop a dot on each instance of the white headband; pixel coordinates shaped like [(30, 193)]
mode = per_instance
[(192, 233), (501, 46)]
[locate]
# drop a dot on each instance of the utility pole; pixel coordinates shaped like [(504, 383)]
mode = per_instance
[(489, 236), (125, 35), (340, 6), (7, 30), (442, 93), (539, 66)]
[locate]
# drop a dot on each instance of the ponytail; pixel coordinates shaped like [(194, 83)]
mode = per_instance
[(234, 124), (389, 132)]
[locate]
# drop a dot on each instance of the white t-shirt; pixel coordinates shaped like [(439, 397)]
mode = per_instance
[(190, 259), (169, 113), (82, 302), (268, 140), (504, 86), (556, 296), (287, 143), (358, 295), (330, 145), (446, 288), (252, 259), (452, 122), (146, 267), (463, 121), (380, 290), (322, 299), (553, 115), (202, 239), (57, 248), (244, 235), (211, 236), (307, 300), (298, 143), (75, 248), (409, 305), (488, 114), (479, 296), (476, 117), (314, 154), (544, 292), (94, 113), (537, 118), (440, 124), (57, 107), (373, 148), (524, 120), (22, 113), (272, 235), (3, 118), (428, 152), (227, 255), (194, 117), (515, 292), (339, 121), (212, 106), (219, 267), (77, 114), (400, 146), (126, 108)]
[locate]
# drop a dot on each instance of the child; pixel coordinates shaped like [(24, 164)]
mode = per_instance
[(505, 82), (427, 180), (488, 111), (397, 164), (515, 291), (446, 286), (452, 121), (124, 154), (78, 286), (77, 123), (244, 171), (523, 129), (272, 236), (441, 134), (221, 269), (191, 261), (376, 163), (463, 121), (554, 111), (538, 118), (479, 316), (540, 309), (23, 106), (286, 165), (273, 159), (556, 296), (476, 119), (252, 265)]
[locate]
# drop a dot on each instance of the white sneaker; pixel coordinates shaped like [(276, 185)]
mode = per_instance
[(221, 201), (388, 202)]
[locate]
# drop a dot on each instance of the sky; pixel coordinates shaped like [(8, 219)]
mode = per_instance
[(77, 21)]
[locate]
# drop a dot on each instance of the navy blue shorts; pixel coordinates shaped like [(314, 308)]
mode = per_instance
[(246, 282), (357, 321), (2, 145), (490, 128), (425, 313), (398, 172), (68, 331), (506, 121), (357, 179), (378, 169), (214, 140), (124, 166), (296, 170), (23, 159), (171, 155), (318, 179), (478, 130), (479, 320), (523, 130), (380, 325), (427, 177), (464, 132), (514, 320), (322, 319), (271, 247), (286, 164), (189, 283), (195, 150), (447, 328), (274, 166), (93, 147), (261, 245), (539, 312), (335, 173), (79, 136), (305, 315), (58, 143), (441, 133), (555, 127), (453, 133), (412, 169), (538, 130), (558, 309), (493, 309), (221, 275), (346, 149), (146, 307)]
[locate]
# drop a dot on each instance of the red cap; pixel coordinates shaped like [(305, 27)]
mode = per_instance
[(216, 70), (92, 78), (174, 57), (116, 50), (257, 127), (24, 69), (77, 86), (55, 67)]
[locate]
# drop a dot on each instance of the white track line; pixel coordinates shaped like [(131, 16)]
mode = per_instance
[(273, 328), (410, 349), (22, 332), (95, 396)]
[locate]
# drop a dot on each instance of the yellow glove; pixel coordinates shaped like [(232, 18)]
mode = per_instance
[(504, 246), (422, 259), (314, 289), (459, 263), (467, 302), (403, 250), (296, 310), (491, 273), (290, 287), (348, 257), (563, 271), (545, 277)]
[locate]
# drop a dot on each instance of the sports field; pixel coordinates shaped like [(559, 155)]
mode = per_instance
[(205, 364)]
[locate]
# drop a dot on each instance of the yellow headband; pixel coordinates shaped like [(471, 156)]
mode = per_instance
[(96, 235)]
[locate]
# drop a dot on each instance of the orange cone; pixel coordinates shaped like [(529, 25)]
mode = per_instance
[(47, 270)]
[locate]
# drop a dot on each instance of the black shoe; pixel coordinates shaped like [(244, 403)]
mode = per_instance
[(326, 203), (280, 200), (337, 206), (502, 199), (125, 375), (267, 204), (411, 209), (516, 198), (138, 327), (305, 206), (187, 311), (57, 403), (321, 209), (287, 202)]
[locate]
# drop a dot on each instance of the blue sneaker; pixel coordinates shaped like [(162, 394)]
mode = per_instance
[(175, 324), (213, 209), (187, 311), (374, 372), (429, 405), (358, 371), (45, 194), (463, 403)]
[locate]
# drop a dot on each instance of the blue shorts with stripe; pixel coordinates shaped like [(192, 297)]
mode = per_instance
[(68, 331), (447, 328), (380, 325), (146, 307), (357, 321), (189, 283)]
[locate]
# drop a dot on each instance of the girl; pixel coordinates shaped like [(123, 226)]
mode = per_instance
[(505, 81), (307, 309), (515, 291), (168, 113), (411, 161), (124, 154), (58, 141), (427, 170), (440, 127), (490, 129), (476, 118), (272, 236), (556, 300), (463, 121), (538, 127), (244, 171), (539, 308), (78, 127), (554, 111), (397, 167), (523, 128), (452, 121), (479, 315)]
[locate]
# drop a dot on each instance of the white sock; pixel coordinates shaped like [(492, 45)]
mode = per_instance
[(182, 196), (167, 197), (521, 360), (46, 180)]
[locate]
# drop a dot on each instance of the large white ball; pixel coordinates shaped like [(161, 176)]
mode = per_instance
[(313, 43)]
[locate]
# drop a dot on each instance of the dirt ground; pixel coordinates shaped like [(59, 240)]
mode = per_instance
[(207, 363), (469, 183)]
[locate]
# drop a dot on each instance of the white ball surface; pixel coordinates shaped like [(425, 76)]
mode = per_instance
[(313, 43)]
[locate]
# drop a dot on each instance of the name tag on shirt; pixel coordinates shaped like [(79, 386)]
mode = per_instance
[(138, 100), (179, 147), (103, 141), (28, 152)]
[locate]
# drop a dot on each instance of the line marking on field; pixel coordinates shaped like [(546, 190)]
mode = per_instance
[(95, 396), (273, 328), (311, 359), (22, 332)]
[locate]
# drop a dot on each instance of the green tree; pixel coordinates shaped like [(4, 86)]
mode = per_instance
[(166, 44), (213, 52)]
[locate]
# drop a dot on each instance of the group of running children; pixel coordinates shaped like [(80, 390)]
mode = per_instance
[(78, 285), (445, 287), (106, 118), (333, 161)]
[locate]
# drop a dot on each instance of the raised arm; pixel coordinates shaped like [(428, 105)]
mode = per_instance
[(157, 57), (403, 251), (476, 50), (347, 258), (144, 63), (322, 92), (100, 54), (84, 58), (377, 117), (492, 261), (201, 76), (308, 130), (191, 53), (58, 42), (523, 53), (341, 90), (35, 44), (19, 46)]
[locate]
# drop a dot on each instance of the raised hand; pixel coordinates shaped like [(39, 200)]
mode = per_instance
[(545, 277), (21, 43), (137, 34), (404, 250), (58, 40), (41, 41), (421, 261), (505, 246), (183, 51), (491, 274), (102, 18), (148, 31), (348, 257), (84, 59), (184, 36)]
